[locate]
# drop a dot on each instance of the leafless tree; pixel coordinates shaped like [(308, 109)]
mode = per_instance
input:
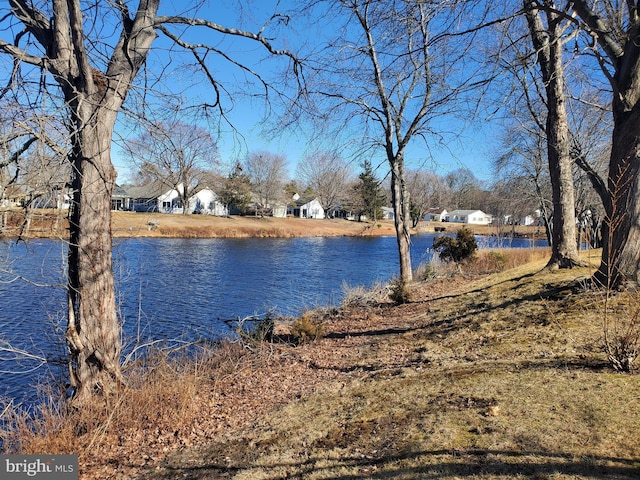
[(548, 30), (524, 157), (328, 175), (176, 154), (91, 53), (465, 190), (388, 69), (426, 190), (590, 150), (33, 165), (267, 173), (512, 200), (612, 40)]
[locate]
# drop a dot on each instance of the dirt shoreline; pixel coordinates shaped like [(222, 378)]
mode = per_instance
[(52, 224)]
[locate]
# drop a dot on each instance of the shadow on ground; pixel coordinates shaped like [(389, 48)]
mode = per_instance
[(433, 464)]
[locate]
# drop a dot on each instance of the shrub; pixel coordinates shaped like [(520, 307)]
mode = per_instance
[(622, 332), (259, 331), (491, 261), (457, 249), (497, 258), (307, 328), (361, 296), (425, 271), (399, 291)]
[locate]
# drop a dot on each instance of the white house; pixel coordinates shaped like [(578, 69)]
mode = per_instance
[(436, 215), (472, 217), (531, 219), (307, 208), (55, 198), (388, 213), (204, 201), (527, 220), (279, 210), (261, 205)]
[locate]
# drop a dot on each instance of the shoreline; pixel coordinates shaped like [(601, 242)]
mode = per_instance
[(53, 224), (429, 387)]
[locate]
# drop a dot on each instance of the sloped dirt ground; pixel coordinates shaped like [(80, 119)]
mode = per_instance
[(486, 377)]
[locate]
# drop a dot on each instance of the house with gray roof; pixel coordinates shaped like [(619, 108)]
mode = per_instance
[(472, 217)]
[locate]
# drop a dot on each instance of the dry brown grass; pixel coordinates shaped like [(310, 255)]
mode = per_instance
[(162, 402), (477, 377), (51, 223), (126, 224), (500, 377), (500, 259)]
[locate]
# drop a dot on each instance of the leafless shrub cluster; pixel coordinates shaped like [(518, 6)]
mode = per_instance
[(361, 296), (622, 337)]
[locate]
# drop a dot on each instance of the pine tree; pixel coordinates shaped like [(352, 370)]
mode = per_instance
[(373, 197), (236, 191)]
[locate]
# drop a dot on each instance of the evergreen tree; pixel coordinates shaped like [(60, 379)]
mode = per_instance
[(373, 197), (235, 191)]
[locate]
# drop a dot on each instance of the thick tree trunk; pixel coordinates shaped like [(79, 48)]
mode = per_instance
[(548, 44), (94, 99), (93, 332), (564, 249), (621, 230), (400, 201)]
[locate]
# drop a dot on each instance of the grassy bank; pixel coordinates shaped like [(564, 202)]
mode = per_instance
[(481, 375), (51, 223)]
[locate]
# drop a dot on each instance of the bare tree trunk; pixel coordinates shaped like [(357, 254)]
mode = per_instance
[(621, 229), (93, 331), (548, 44), (28, 215), (400, 201), (564, 249)]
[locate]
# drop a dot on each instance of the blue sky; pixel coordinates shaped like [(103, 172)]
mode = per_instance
[(471, 148)]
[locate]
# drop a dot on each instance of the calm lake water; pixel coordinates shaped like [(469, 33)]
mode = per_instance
[(181, 290)]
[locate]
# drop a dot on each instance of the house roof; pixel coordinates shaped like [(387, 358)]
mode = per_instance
[(120, 192), (464, 213), (304, 201), (151, 190), (436, 211)]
